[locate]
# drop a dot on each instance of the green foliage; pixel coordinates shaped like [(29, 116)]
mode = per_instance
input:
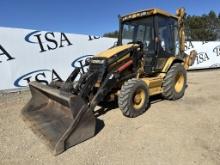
[(111, 34), (198, 28), (202, 28)]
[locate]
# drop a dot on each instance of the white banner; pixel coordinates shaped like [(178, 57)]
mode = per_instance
[(208, 54), (29, 55)]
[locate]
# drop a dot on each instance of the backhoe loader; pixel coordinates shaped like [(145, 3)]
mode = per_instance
[(147, 60)]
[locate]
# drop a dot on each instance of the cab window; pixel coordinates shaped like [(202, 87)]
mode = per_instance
[(168, 35)]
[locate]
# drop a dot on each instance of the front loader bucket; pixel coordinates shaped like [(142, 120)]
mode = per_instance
[(60, 118)]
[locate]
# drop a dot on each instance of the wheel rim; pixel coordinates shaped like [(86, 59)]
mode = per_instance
[(179, 82), (138, 99)]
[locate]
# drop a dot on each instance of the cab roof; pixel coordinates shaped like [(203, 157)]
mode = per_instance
[(147, 12)]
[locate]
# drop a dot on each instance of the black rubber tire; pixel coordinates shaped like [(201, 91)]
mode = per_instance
[(126, 96), (169, 91)]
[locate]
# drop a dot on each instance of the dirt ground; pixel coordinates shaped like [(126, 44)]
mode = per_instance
[(183, 132)]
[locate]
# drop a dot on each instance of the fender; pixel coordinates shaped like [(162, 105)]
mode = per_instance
[(170, 62)]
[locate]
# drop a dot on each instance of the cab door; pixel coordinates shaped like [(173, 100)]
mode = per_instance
[(149, 49), (166, 40)]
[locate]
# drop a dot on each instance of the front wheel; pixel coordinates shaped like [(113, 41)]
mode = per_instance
[(134, 98), (174, 83)]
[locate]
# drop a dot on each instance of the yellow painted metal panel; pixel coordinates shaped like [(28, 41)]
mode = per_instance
[(110, 52)]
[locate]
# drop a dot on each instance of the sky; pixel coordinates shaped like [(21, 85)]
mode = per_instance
[(92, 17)]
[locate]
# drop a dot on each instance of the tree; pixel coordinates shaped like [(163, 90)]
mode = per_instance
[(198, 28), (111, 34), (202, 28), (212, 14)]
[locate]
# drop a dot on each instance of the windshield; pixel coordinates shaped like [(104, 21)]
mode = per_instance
[(138, 30)]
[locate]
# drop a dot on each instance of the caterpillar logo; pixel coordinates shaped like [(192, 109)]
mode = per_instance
[(48, 41), (217, 50)]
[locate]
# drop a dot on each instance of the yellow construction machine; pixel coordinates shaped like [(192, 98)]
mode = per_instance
[(147, 60)]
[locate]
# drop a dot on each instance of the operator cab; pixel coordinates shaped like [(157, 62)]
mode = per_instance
[(158, 32)]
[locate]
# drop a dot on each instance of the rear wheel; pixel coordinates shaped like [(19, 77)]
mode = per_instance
[(133, 99), (175, 82)]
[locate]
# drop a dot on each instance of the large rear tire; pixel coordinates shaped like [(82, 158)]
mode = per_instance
[(134, 98), (174, 83)]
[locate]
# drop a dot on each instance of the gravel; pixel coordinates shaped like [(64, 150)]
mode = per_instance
[(184, 132)]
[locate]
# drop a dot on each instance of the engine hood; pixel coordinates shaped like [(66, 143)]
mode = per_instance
[(115, 50)]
